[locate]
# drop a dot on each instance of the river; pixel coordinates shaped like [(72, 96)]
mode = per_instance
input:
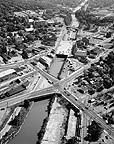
[(32, 125)]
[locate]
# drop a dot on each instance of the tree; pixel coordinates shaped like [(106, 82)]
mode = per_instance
[(94, 132), (72, 140), (91, 91), (108, 35), (24, 55), (26, 103), (107, 83), (30, 37), (15, 121)]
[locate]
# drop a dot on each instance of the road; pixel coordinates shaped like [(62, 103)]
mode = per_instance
[(14, 100), (68, 97), (80, 6), (79, 71), (18, 77), (45, 74), (88, 111), (8, 66)]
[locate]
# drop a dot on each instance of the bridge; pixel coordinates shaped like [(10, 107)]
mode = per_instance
[(57, 87)]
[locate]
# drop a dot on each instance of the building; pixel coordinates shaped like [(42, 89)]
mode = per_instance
[(17, 89), (39, 23), (108, 45), (50, 21), (1, 60), (31, 13), (15, 59), (5, 75), (47, 59), (19, 40), (48, 42), (31, 21), (20, 14), (64, 48), (31, 29), (73, 35), (80, 53), (96, 51), (42, 61)]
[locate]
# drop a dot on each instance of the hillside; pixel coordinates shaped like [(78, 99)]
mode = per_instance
[(33, 4), (101, 3)]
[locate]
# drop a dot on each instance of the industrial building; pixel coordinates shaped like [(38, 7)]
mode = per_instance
[(80, 53), (5, 75)]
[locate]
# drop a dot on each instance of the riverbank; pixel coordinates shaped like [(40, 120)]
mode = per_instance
[(54, 125), (40, 134), (5, 116), (15, 127)]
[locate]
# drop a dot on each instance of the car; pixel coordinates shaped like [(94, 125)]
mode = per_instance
[(50, 81), (91, 101)]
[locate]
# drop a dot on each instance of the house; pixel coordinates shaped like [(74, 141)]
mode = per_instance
[(108, 45), (31, 21), (47, 59), (80, 53), (96, 51), (29, 29), (19, 40), (39, 23), (31, 13), (1, 60), (20, 14), (15, 59), (50, 21), (73, 35)]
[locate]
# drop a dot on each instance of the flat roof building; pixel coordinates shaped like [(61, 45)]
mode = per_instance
[(31, 13), (20, 14), (80, 53), (64, 48), (7, 72)]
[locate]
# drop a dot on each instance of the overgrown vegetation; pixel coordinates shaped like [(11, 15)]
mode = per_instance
[(18, 5), (101, 3), (94, 132)]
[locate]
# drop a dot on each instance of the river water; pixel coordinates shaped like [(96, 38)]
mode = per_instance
[(32, 125)]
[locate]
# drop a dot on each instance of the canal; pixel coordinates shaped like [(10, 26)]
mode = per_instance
[(32, 125)]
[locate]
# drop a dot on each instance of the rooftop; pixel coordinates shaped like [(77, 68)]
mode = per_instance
[(65, 48)]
